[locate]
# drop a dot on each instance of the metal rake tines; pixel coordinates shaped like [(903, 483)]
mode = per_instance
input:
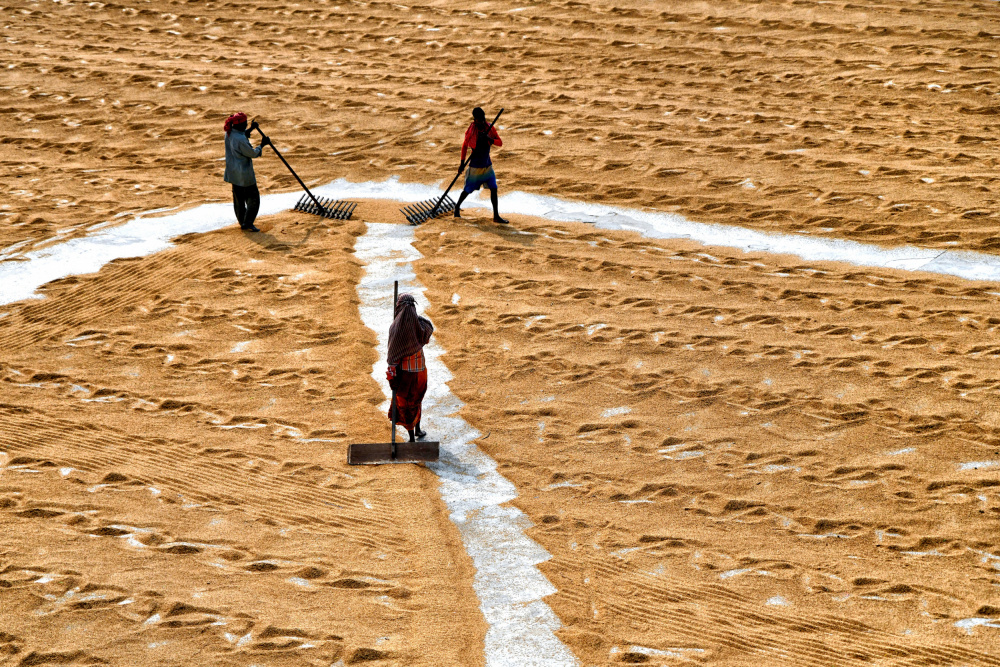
[(425, 210), (331, 208)]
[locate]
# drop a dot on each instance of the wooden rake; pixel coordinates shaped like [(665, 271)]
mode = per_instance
[(377, 453), (325, 208)]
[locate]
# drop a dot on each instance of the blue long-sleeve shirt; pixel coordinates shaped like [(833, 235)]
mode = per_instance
[(239, 156)]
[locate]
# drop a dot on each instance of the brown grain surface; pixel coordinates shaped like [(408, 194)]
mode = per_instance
[(174, 486), (740, 458), (734, 459)]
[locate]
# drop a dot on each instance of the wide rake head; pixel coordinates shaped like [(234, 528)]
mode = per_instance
[(328, 208), (425, 210)]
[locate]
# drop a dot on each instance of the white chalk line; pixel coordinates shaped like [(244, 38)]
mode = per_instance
[(509, 586), (22, 273)]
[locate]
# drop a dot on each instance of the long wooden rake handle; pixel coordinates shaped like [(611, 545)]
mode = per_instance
[(452, 184), (280, 157), (393, 423), (395, 298)]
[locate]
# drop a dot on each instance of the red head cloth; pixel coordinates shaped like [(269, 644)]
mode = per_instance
[(235, 119)]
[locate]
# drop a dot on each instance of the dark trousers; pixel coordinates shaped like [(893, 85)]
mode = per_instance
[(246, 201)]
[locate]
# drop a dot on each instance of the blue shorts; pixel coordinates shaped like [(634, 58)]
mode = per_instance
[(476, 177)]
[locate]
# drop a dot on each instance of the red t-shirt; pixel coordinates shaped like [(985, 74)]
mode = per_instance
[(470, 138)]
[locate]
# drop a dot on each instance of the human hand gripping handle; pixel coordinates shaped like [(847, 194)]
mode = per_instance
[(488, 138), (255, 126)]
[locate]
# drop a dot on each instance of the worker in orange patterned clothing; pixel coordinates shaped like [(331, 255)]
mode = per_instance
[(407, 372), (479, 138)]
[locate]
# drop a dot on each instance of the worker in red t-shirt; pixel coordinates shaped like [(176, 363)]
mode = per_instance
[(479, 138)]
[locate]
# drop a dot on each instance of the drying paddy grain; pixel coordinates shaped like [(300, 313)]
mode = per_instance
[(733, 458)]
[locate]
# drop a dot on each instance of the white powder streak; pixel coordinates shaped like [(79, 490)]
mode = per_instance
[(23, 273), (507, 581), (146, 235), (962, 264)]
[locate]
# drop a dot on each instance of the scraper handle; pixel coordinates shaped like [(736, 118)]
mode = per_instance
[(393, 423), (395, 298)]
